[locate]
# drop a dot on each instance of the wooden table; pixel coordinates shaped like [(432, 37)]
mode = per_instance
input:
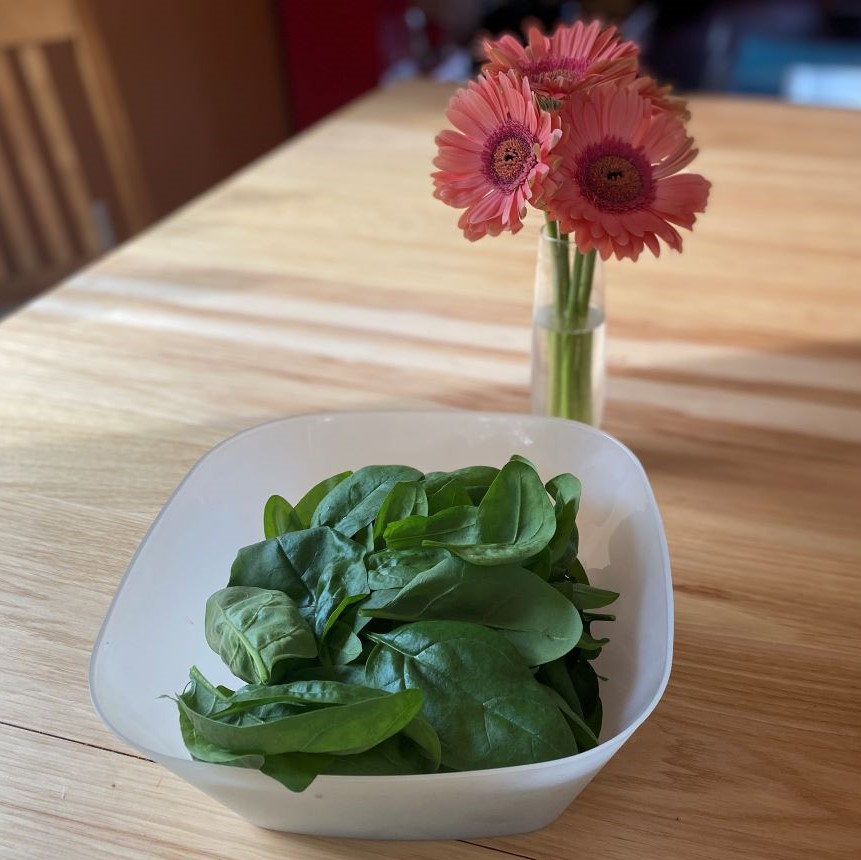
[(326, 277)]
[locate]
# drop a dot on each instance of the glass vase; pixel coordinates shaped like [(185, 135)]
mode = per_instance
[(568, 361)]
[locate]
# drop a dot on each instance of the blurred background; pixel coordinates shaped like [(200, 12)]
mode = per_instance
[(113, 113)]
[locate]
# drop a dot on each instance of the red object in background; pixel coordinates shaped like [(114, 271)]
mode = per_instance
[(335, 51)]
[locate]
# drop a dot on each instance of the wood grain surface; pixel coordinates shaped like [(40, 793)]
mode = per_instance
[(326, 277)]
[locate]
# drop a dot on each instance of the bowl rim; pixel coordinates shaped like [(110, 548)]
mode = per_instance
[(610, 744)]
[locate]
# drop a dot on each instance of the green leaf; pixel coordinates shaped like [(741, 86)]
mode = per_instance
[(585, 681), (311, 693), (585, 596), (424, 736), (451, 494), (365, 537), (320, 570), (596, 718), (577, 572), (356, 501), (454, 525), (376, 598), (584, 736), (344, 729), (531, 614), (519, 458), (539, 564), (258, 633), (353, 673), (341, 645), (574, 679), (296, 771), (475, 479), (405, 499), (308, 503), (394, 756), (202, 750), (279, 517), (588, 643), (556, 676), (515, 519), (205, 697), (566, 488), (395, 568), (480, 695)]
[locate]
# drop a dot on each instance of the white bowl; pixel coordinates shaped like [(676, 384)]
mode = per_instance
[(153, 630)]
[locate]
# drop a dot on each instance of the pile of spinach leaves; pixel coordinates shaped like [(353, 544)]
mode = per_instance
[(394, 622)]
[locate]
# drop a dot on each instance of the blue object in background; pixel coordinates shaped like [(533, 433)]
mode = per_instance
[(764, 65)]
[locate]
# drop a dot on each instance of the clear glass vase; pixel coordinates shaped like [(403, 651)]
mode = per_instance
[(568, 361)]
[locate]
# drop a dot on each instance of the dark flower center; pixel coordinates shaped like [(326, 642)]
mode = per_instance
[(508, 155), (615, 176)]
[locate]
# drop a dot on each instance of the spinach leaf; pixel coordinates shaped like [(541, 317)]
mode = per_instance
[(365, 537), (556, 675), (205, 696), (577, 572), (584, 736), (451, 494), (296, 770), (202, 750), (565, 490), (279, 517), (306, 506), (405, 499), (457, 525), (320, 570), (311, 693), (356, 501), (480, 695), (352, 673), (424, 736), (258, 633), (395, 755), (376, 599), (344, 729), (574, 679), (519, 458), (395, 568), (540, 564), (476, 480), (585, 596), (531, 614), (589, 645), (515, 520), (341, 645)]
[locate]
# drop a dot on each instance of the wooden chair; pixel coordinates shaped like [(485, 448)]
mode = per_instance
[(51, 219)]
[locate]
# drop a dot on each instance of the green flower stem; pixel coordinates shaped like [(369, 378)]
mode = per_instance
[(560, 255), (584, 284), (569, 344)]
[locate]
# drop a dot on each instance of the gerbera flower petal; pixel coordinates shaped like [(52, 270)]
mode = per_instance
[(661, 98)]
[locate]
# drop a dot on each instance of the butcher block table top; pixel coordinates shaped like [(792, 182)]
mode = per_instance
[(325, 277)]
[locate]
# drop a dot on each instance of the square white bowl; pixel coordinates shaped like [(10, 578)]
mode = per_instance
[(153, 631)]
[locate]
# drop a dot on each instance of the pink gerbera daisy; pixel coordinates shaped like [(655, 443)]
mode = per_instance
[(497, 159), (573, 59), (616, 187)]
